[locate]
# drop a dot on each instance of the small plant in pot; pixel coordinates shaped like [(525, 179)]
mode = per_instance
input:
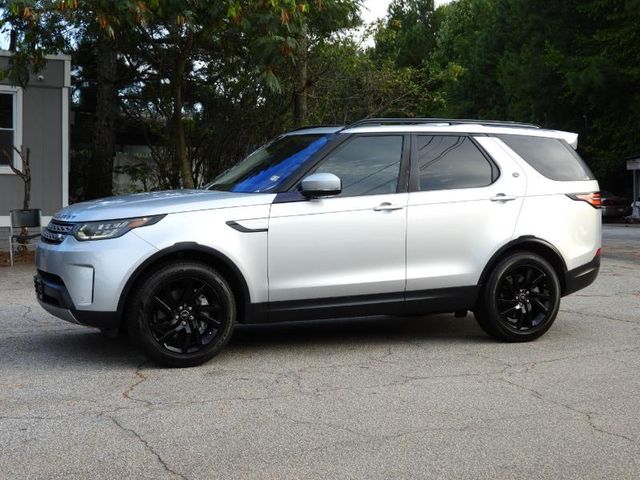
[(25, 175)]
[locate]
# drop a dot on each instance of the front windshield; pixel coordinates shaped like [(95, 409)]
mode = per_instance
[(269, 166)]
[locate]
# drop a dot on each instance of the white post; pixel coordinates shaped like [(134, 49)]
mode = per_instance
[(634, 166), (636, 195)]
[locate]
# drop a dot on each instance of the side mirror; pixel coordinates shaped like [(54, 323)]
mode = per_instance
[(318, 185)]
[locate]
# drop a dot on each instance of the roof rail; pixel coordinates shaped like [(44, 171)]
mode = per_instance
[(320, 125), (427, 121)]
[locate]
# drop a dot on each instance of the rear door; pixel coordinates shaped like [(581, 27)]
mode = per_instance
[(462, 207)]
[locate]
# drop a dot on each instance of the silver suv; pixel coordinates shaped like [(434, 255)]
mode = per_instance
[(384, 216)]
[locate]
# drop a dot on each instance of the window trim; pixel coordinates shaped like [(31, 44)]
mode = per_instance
[(414, 181), (16, 93), (316, 161)]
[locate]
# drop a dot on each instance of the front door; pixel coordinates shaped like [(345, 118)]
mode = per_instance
[(351, 245)]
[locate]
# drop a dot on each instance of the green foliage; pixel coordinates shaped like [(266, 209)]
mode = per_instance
[(356, 86), (569, 65), (407, 35), (227, 72)]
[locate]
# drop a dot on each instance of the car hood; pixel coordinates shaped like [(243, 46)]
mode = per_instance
[(157, 203)]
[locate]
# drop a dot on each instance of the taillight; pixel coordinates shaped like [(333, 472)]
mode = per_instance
[(592, 198)]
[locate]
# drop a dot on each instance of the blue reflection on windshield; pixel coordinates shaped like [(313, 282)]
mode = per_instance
[(272, 177)]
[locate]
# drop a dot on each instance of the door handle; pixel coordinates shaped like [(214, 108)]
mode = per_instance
[(502, 198), (387, 207)]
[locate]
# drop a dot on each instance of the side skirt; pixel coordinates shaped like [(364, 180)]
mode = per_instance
[(419, 302)]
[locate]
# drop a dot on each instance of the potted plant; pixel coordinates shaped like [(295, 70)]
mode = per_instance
[(25, 175)]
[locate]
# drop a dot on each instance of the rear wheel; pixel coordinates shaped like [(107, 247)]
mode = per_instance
[(521, 298), (182, 315)]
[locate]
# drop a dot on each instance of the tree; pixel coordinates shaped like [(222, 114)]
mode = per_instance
[(358, 86), (466, 49), (171, 36), (407, 36), (323, 24), (567, 65)]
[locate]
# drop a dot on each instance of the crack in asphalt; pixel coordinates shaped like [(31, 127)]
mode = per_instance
[(298, 390), (588, 416), (375, 439), (369, 439), (531, 365), (594, 295), (598, 315), (297, 421), (26, 312), (60, 417), (148, 447), (126, 394)]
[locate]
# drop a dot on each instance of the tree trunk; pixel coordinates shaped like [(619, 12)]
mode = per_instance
[(183, 160), (177, 126), (13, 40), (104, 135), (25, 154), (300, 110), (24, 173)]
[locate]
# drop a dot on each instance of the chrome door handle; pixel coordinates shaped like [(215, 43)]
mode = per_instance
[(501, 197), (387, 207)]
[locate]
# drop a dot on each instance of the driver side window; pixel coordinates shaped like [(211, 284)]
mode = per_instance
[(367, 165)]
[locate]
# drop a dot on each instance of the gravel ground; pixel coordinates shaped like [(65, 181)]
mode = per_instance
[(372, 398)]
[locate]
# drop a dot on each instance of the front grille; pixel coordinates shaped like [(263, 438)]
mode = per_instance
[(56, 231)]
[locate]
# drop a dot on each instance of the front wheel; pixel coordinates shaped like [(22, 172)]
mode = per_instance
[(521, 298), (183, 314)]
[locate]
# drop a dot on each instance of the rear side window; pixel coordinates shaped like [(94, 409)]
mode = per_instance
[(551, 157), (447, 162)]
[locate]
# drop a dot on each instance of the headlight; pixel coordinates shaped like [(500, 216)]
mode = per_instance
[(111, 228)]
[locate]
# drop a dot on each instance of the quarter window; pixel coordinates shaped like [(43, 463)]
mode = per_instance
[(552, 157), (367, 165), (448, 162)]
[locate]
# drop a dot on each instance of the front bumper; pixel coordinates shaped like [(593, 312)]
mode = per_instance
[(82, 282), (54, 297)]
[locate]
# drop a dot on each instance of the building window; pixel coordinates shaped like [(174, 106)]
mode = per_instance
[(10, 127)]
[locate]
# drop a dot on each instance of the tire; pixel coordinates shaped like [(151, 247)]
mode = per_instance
[(521, 298), (182, 315)]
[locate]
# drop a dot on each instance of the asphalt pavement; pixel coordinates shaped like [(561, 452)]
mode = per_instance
[(429, 397)]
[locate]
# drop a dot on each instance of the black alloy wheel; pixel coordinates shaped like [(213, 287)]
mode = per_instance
[(525, 297), (521, 298), (183, 314)]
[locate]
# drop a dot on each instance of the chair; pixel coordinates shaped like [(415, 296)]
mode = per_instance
[(21, 219)]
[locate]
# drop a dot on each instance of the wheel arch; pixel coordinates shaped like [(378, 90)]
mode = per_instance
[(529, 243), (192, 251)]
